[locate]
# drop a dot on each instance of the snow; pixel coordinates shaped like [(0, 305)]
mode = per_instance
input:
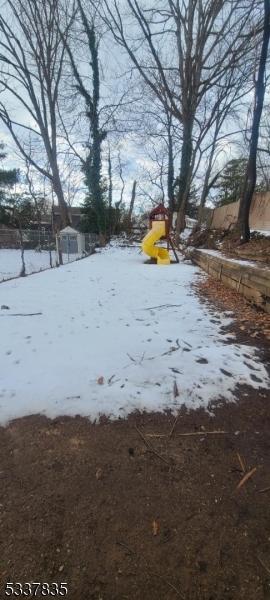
[(140, 328), (190, 224), (11, 264), (264, 232), (185, 233)]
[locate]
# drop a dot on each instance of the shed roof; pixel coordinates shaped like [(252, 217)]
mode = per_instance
[(69, 229)]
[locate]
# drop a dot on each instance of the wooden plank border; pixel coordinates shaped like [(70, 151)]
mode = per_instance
[(251, 282)]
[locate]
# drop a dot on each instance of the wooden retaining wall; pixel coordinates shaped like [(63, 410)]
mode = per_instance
[(252, 282)]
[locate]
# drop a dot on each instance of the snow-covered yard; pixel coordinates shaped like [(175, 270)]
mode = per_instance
[(11, 264), (115, 334)]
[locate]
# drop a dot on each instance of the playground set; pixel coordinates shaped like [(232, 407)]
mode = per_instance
[(159, 229)]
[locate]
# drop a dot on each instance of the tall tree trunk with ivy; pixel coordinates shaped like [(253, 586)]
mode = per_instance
[(95, 199), (93, 163)]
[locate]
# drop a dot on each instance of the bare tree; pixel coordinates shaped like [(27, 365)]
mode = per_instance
[(226, 105), (38, 200), (32, 60), (161, 136), (242, 224), (92, 163), (182, 49)]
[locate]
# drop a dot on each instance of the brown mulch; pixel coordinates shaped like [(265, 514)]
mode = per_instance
[(117, 517), (249, 318)]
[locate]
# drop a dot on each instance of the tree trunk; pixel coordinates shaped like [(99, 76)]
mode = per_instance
[(242, 225), (131, 206), (110, 193), (205, 189), (206, 186), (184, 177), (58, 190), (170, 178), (23, 269), (94, 177)]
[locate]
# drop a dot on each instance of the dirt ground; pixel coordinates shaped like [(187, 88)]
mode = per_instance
[(145, 508)]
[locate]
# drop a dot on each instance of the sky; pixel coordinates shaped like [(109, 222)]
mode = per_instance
[(112, 65), (118, 80)]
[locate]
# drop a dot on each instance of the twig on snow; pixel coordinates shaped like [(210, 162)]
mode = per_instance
[(162, 306), (21, 314), (137, 362)]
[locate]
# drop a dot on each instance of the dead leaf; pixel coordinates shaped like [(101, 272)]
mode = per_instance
[(100, 380), (155, 527), (246, 477)]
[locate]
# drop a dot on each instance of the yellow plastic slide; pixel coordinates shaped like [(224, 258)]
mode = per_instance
[(148, 243)]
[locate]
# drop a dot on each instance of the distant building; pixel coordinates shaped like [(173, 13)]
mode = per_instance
[(75, 215), (51, 221), (9, 238)]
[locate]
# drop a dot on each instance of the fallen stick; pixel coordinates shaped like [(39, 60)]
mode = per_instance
[(267, 489), (241, 462), (150, 448), (163, 306), (263, 564), (148, 568), (168, 583), (126, 547), (173, 427), (21, 314), (246, 477), (191, 433)]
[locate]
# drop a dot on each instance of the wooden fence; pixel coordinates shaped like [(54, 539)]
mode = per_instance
[(225, 216)]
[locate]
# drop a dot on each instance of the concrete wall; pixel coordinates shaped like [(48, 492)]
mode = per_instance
[(225, 216)]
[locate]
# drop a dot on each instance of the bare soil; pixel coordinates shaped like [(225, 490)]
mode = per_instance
[(145, 508)]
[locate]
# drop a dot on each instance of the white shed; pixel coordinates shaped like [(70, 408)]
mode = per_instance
[(71, 241)]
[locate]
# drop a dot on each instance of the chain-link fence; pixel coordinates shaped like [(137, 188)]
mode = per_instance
[(23, 252)]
